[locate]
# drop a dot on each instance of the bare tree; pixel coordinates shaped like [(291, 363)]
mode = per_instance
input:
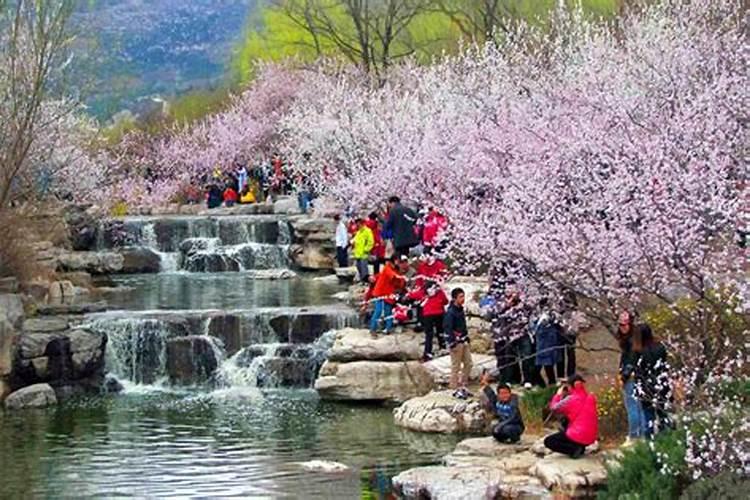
[(369, 33), (34, 44), (480, 20)]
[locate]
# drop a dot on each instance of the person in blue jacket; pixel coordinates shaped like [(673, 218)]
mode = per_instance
[(504, 405)]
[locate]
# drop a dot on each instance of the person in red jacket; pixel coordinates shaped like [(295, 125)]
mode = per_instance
[(430, 268), (434, 224), (378, 251), (432, 302), (578, 406), (389, 282), (230, 196)]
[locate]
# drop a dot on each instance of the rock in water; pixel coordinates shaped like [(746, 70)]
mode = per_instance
[(33, 396), (358, 345), (325, 466), (373, 380), (140, 260), (191, 359), (439, 411), (575, 478)]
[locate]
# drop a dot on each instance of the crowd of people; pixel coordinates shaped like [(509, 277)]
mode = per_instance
[(534, 344), (246, 184)]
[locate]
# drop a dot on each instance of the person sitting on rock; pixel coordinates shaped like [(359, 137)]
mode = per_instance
[(503, 405), (578, 406)]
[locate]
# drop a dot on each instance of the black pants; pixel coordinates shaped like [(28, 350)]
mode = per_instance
[(524, 350), (560, 443), (567, 356), (376, 263), (507, 433), (432, 325), (342, 257), (549, 371), (507, 363)]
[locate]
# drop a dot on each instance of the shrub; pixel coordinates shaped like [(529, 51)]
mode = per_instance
[(649, 471), (534, 406), (612, 415), (726, 486)]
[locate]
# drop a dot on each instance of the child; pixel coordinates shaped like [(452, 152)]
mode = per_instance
[(230, 196)]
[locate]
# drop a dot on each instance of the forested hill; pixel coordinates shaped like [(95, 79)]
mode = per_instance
[(129, 51)]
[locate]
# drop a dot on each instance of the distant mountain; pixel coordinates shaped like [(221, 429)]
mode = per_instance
[(129, 51)]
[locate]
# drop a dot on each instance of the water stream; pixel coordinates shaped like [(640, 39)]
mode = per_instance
[(217, 369)]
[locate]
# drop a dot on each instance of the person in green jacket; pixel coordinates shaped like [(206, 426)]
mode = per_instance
[(362, 244)]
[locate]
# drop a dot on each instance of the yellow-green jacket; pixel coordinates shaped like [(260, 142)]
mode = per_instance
[(362, 243)]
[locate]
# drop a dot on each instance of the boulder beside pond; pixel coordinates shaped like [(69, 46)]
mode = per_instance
[(33, 396)]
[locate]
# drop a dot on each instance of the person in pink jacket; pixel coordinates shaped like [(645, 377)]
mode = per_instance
[(578, 406)]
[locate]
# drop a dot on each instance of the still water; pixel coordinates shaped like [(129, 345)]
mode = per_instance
[(237, 442)]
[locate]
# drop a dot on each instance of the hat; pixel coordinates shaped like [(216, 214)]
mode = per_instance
[(404, 258)]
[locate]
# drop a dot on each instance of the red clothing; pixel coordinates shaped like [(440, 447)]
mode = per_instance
[(434, 305), (437, 271), (433, 225), (230, 194), (580, 410), (379, 249), (388, 283)]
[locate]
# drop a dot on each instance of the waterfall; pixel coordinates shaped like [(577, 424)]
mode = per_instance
[(168, 261), (136, 348), (275, 365)]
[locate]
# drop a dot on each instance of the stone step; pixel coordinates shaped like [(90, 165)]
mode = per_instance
[(75, 309)]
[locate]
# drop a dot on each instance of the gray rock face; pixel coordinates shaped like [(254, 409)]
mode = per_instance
[(575, 478), (140, 260), (441, 412), (7, 343), (91, 262), (191, 360), (373, 380), (11, 305), (33, 396), (358, 345), (466, 483), (313, 240), (45, 324), (59, 357)]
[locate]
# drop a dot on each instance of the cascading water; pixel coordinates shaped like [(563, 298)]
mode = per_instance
[(168, 261)]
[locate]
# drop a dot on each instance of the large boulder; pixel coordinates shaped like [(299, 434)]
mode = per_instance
[(358, 345), (140, 260), (59, 357), (192, 359), (313, 239), (311, 257), (514, 458), (83, 229), (466, 483), (373, 380), (11, 305), (575, 478), (33, 396), (441, 412), (90, 262), (45, 324), (440, 368)]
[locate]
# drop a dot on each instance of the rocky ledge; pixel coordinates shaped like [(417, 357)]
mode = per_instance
[(484, 468), (439, 411), (361, 367)]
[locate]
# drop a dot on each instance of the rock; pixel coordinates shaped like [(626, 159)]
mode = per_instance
[(7, 345), (91, 262), (329, 279), (60, 356), (11, 305), (286, 205), (474, 287), (440, 368), (358, 345), (138, 260), (466, 483), (75, 309), (111, 385), (9, 285), (576, 478), (325, 467), (191, 359), (373, 380), (78, 278), (83, 227), (45, 324), (441, 412), (33, 396), (311, 258), (513, 458), (540, 450), (346, 275), (60, 291), (274, 274)]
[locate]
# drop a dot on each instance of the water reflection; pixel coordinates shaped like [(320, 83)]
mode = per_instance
[(218, 291), (244, 443)]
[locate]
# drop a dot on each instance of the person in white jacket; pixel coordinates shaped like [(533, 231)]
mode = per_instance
[(342, 242)]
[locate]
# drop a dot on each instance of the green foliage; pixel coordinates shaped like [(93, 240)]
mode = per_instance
[(649, 471), (612, 412), (534, 404), (198, 104), (725, 486)]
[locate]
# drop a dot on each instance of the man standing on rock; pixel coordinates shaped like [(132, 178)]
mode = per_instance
[(457, 336), (401, 221), (342, 242)]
